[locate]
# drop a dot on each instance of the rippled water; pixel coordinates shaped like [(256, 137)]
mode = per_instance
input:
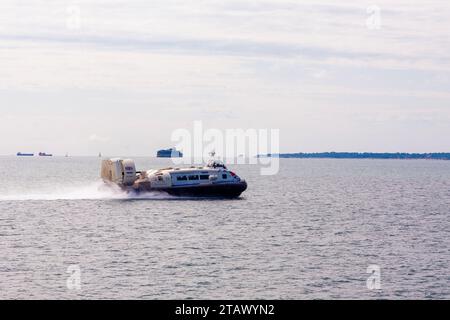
[(309, 232)]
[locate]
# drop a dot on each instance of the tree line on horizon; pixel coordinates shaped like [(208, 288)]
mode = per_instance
[(363, 155)]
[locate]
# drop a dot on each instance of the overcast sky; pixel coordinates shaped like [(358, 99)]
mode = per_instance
[(119, 76)]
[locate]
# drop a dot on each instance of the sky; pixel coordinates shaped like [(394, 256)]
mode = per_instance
[(118, 77)]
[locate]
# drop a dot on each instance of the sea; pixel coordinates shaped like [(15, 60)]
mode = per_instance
[(319, 229)]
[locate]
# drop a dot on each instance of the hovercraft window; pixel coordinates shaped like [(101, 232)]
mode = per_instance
[(204, 177), (224, 176), (194, 177), (181, 178)]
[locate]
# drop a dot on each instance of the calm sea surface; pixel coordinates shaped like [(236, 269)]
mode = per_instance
[(310, 232)]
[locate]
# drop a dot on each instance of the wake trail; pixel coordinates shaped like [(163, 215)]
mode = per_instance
[(93, 191)]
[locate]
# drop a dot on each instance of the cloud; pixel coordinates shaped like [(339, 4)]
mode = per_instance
[(96, 138), (411, 35)]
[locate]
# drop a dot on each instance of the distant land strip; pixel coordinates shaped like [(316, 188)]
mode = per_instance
[(360, 155)]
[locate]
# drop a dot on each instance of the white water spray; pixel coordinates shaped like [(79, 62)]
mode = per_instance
[(94, 191)]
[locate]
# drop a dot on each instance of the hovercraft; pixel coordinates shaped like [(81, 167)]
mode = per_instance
[(212, 180)]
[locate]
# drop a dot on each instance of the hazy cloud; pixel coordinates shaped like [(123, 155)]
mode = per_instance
[(96, 138)]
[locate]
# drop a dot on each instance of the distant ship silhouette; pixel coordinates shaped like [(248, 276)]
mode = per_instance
[(169, 153)]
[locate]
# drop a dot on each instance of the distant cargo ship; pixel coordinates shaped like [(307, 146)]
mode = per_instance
[(169, 153), (43, 154), (20, 154)]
